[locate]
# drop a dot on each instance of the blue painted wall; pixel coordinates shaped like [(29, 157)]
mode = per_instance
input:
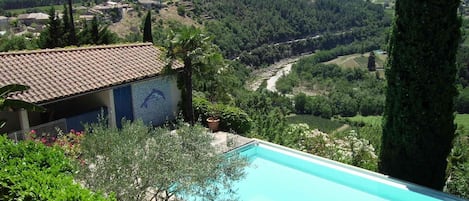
[(77, 122)]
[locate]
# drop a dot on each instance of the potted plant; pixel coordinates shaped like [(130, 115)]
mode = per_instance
[(213, 119)]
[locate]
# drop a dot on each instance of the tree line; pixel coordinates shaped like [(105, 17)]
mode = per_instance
[(17, 4), (60, 33)]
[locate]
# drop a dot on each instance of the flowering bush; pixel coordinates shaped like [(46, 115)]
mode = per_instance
[(349, 149), (68, 142)]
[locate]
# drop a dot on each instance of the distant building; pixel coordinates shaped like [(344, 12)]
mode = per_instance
[(149, 4), (108, 7), (38, 18), (86, 17)]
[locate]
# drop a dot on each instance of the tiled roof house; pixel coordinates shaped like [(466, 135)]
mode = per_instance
[(74, 84)]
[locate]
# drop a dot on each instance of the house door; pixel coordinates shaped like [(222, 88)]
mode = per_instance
[(123, 104)]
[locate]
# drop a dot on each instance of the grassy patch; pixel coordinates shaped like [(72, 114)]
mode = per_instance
[(380, 59), (362, 61), (462, 120), (368, 120), (324, 125), (389, 12)]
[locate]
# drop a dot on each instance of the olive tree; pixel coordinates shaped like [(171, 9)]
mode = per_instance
[(139, 162)]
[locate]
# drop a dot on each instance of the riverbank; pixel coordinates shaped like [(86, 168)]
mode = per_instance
[(272, 73)]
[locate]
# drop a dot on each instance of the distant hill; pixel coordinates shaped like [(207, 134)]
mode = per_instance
[(244, 25)]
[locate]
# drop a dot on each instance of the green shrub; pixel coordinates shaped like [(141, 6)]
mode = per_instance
[(462, 102), (33, 171), (181, 10), (231, 118), (458, 166)]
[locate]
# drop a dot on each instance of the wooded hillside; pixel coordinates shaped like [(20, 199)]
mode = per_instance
[(244, 25)]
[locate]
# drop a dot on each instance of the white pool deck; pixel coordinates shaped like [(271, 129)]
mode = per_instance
[(224, 141)]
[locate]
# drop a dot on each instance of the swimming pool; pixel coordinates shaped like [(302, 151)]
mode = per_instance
[(277, 173)]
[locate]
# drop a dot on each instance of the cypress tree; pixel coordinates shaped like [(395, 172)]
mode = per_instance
[(73, 38), (95, 31), (66, 26), (418, 121), (147, 37), (52, 36), (371, 62)]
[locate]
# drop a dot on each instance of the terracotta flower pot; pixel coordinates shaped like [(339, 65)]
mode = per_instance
[(213, 123)]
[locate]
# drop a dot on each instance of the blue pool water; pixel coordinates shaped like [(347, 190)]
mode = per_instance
[(279, 174)]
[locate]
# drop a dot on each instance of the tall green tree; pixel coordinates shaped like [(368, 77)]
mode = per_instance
[(93, 33), (147, 37), (418, 125), (192, 46), (95, 30), (371, 62), (52, 36), (69, 36), (72, 35)]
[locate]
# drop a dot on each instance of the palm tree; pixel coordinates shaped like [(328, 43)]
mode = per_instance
[(193, 47), (6, 103)]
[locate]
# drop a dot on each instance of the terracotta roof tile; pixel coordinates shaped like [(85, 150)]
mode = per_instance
[(58, 73)]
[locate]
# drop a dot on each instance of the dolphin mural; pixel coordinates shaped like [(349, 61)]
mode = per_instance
[(154, 95)]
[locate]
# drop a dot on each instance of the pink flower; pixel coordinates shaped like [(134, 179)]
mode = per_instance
[(44, 140), (32, 132), (72, 130)]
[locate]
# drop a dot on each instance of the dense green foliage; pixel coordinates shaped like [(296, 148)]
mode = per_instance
[(240, 27), (339, 91), (267, 111), (58, 33), (458, 167), (139, 162), (418, 121), (462, 101), (52, 36), (16, 4), (462, 64), (32, 171), (8, 43), (232, 119)]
